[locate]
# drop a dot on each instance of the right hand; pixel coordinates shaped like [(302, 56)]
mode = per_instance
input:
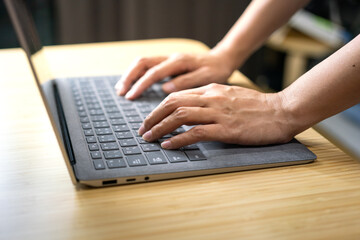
[(191, 70)]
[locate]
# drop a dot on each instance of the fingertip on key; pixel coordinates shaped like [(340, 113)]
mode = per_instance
[(166, 144), (141, 130)]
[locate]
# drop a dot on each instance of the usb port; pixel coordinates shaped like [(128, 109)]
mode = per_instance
[(109, 182)]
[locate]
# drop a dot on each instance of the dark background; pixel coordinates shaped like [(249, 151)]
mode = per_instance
[(82, 21)]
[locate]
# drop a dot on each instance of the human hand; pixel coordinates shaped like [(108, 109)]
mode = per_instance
[(223, 113), (190, 70)]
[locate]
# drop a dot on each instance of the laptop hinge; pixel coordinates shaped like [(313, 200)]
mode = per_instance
[(63, 127)]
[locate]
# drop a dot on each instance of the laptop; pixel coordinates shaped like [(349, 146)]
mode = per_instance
[(97, 130)]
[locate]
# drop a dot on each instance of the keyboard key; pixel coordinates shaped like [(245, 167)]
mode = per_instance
[(195, 155), (127, 107), (106, 138), (136, 160), (93, 106), (95, 155), (127, 142), (93, 146), (131, 113), (84, 120), (86, 126), (134, 119), (125, 103), (109, 104), (79, 103), (117, 121), (135, 126), (191, 147), (112, 110), (98, 118), (116, 163), (149, 147), (82, 114), (176, 156), (156, 157), (115, 115), (109, 146), (146, 109), (121, 128), (99, 164), (94, 112), (103, 131), (91, 139), (141, 140), (131, 150), (112, 154), (101, 124), (136, 134), (89, 132), (123, 135)]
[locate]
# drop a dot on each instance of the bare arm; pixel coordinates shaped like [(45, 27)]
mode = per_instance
[(329, 88), (261, 18), (256, 24)]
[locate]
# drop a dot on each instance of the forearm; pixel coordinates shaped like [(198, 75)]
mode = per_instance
[(260, 19), (329, 88)]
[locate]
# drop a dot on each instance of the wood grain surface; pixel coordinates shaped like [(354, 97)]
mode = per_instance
[(320, 200)]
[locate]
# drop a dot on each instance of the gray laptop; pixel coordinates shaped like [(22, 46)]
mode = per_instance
[(97, 130)]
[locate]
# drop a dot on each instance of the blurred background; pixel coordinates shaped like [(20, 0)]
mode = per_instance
[(289, 52)]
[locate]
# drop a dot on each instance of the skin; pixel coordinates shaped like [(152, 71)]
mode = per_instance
[(238, 115)]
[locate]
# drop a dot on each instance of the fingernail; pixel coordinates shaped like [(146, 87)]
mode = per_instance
[(166, 144), (118, 85), (130, 94), (141, 130), (169, 87), (147, 136)]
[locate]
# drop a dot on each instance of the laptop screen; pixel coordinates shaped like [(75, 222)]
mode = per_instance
[(29, 40)]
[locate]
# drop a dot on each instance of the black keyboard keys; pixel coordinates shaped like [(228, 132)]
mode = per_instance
[(149, 147), (93, 147), (127, 142), (109, 146), (95, 155), (99, 164), (112, 154), (131, 150), (116, 163), (136, 160), (123, 135), (195, 155), (106, 138), (176, 156), (156, 158)]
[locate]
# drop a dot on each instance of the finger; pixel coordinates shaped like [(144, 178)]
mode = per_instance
[(185, 81), (169, 67), (135, 71), (181, 116), (169, 105), (196, 134)]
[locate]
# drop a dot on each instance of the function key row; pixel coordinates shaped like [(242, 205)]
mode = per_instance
[(153, 158)]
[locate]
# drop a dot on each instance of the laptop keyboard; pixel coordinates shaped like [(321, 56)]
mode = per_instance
[(110, 126)]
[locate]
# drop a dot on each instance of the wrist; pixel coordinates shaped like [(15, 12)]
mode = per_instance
[(297, 119), (226, 55)]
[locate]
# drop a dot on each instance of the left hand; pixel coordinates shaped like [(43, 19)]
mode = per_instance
[(223, 113)]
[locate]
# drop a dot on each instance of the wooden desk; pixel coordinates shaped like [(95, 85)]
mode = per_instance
[(37, 200)]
